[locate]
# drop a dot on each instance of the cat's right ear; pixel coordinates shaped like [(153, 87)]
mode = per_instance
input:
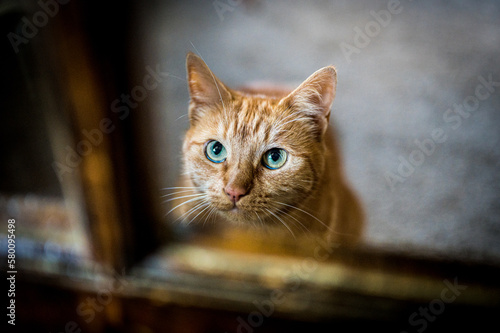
[(205, 89), (314, 97)]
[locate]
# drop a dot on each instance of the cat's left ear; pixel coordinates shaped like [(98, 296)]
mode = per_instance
[(314, 97), (205, 89)]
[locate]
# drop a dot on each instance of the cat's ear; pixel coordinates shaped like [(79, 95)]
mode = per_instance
[(205, 89), (314, 97)]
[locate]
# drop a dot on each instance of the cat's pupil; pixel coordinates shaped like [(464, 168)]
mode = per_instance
[(275, 156), (217, 148)]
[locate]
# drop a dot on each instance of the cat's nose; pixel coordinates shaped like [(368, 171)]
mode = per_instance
[(235, 193)]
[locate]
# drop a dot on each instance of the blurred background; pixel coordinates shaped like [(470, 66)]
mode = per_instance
[(93, 111), (396, 81)]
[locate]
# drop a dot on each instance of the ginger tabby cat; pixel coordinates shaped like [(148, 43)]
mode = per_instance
[(265, 158)]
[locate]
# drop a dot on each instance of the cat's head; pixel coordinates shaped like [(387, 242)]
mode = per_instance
[(255, 156)]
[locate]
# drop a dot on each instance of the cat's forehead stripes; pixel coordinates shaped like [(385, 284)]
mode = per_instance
[(255, 121), (249, 118)]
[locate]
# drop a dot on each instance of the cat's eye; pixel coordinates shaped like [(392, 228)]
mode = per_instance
[(274, 158), (215, 151)]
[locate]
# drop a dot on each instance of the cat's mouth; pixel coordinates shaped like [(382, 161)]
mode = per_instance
[(240, 212), (227, 206), (234, 211)]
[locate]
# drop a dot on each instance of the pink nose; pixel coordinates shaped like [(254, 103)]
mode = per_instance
[(235, 193)]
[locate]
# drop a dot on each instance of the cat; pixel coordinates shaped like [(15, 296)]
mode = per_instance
[(265, 157)]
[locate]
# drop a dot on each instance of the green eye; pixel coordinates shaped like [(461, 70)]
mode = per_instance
[(215, 151), (274, 158)]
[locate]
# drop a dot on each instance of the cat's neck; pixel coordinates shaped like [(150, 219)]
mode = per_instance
[(333, 202)]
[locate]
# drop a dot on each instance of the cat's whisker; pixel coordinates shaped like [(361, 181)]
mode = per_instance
[(179, 187), (185, 196), (175, 76), (205, 211), (305, 212), (258, 216), (210, 212), (283, 222), (184, 115), (294, 218), (214, 215), (207, 206), (193, 208), (268, 214), (186, 202), (176, 192), (204, 205), (184, 216)]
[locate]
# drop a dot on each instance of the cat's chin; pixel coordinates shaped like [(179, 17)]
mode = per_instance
[(236, 215), (233, 212)]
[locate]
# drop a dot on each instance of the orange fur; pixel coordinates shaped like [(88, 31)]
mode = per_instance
[(308, 194)]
